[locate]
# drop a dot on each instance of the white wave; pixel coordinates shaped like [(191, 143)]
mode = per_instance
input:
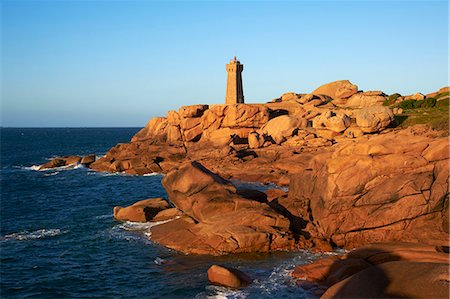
[(135, 231), (104, 216), (37, 234), (142, 226), (218, 292), (118, 233), (159, 261), (51, 173), (135, 226), (79, 166), (33, 167), (60, 168), (153, 174)]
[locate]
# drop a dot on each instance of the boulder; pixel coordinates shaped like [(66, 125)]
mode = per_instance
[(192, 111), (71, 159), (243, 115), (228, 277), (168, 214), (88, 160), (283, 126), (395, 280), (364, 99), (173, 135), (353, 132), (60, 161), (141, 211), (255, 140), (397, 111), (212, 118), (415, 97), (336, 121), (156, 127), (57, 162), (173, 118), (378, 253), (219, 137), (192, 134), (317, 271), (338, 89), (374, 119), (219, 219), (289, 96), (189, 123), (327, 134)]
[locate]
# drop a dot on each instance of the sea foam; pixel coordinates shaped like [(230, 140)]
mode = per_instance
[(37, 234)]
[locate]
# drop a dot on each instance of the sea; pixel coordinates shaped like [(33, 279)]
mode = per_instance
[(58, 237)]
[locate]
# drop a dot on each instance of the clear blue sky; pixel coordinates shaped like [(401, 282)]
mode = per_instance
[(103, 63)]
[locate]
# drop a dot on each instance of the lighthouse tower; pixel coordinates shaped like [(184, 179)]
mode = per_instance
[(235, 93)]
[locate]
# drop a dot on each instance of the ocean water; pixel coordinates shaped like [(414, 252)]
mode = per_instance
[(58, 238)]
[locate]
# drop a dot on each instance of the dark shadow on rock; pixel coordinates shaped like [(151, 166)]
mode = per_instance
[(297, 224), (239, 140), (245, 153), (215, 176), (252, 194), (277, 112), (398, 120), (443, 248)]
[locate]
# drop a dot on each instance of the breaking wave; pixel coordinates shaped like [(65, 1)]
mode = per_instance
[(55, 169), (130, 230), (153, 174), (37, 234)]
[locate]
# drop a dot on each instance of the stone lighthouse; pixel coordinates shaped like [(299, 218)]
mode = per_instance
[(235, 93)]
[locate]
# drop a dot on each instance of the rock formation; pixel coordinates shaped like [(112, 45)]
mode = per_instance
[(388, 187), (228, 277), (67, 161), (141, 211), (381, 270), (353, 177), (218, 219)]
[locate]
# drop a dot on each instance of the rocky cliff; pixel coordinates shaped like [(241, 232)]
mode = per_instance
[(354, 175)]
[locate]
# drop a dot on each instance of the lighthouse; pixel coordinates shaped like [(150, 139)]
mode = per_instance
[(235, 93)]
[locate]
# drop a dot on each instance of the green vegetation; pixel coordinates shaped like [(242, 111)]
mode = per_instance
[(428, 103), (443, 103), (436, 117), (442, 94), (415, 104), (391, 99), (407, 104)]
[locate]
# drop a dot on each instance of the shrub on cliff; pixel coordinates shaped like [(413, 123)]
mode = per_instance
[(414, 104), (407, 104), (391, 99), (428, 103), (418, 104), (443, 103)]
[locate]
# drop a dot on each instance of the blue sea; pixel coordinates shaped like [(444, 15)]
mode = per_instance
[(58, 237)]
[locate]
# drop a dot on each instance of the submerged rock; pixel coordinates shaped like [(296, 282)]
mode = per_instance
[(60, 161)]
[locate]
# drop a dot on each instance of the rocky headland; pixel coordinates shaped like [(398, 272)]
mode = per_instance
[(358, 169)]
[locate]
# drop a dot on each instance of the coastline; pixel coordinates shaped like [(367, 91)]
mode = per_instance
[(355, 176)]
